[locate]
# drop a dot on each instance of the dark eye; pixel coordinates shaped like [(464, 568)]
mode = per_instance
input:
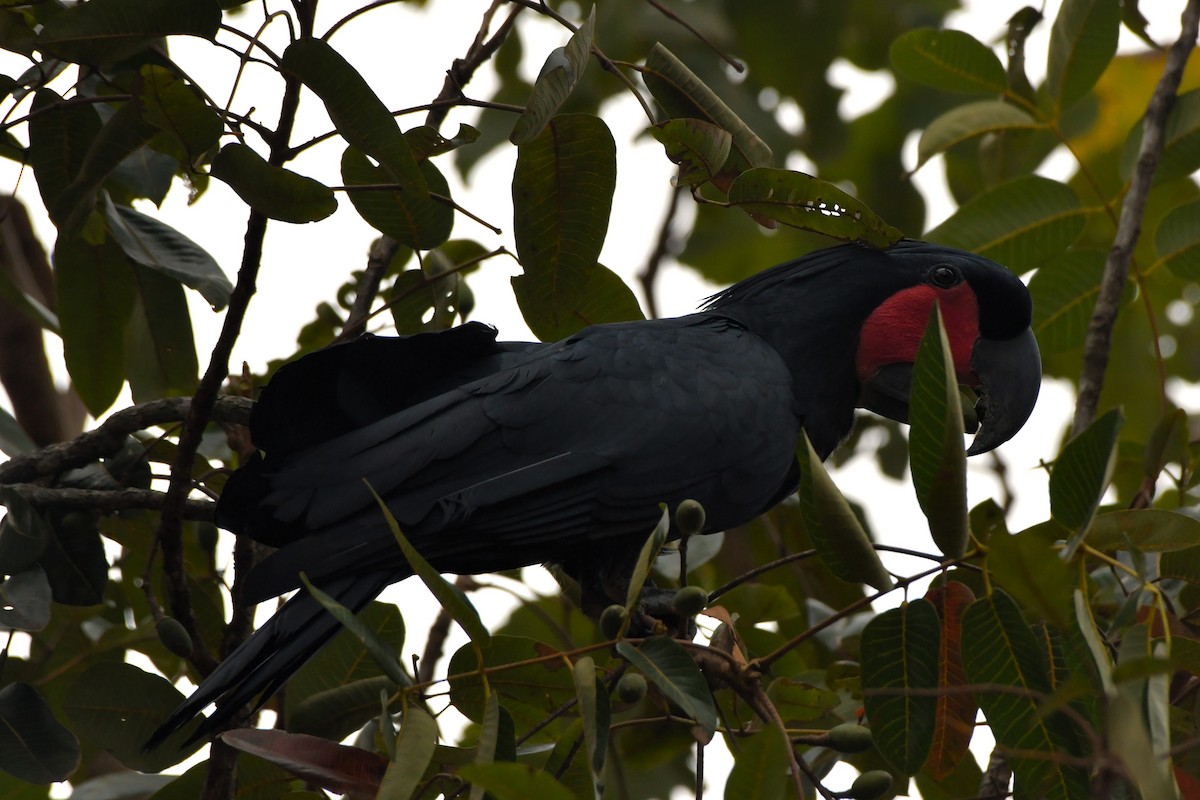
[(944, 276)]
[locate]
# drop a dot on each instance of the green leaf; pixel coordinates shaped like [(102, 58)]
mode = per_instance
[(34, 746), (415, 747), (1091, 636), (1028, 567), (811, 204), (1021, 223), (274, 191), (413, 219), (27, 304), (1129, 740), (606, 298), (645, 562), (107, 31), (700, 148), (999, 649), (452, 599), (529, 691), (96, 294), (560, 75), (176, 109), (1177, 241), (1064, 293), (899, 654), (160, 349), (595, 715), (836, 532), (800, 702), (337, 691), (682, 95), (23, 533), (968, 121), (1181, 564), (121, 705), (760, 767), (25, 601), (949, 60), (1082, 43), (357, 113), (508, 781), (489, 734), (160, 247), (426, 141), (13, 439), (385, 656), (935, 441), (60, 135), (668, 666), (1082, 471), (1180, 156), (1151, 530)]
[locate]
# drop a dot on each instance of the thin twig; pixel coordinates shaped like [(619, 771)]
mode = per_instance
[(662, 248), (382, 251), (463, 69), (671, 15), (1116, 269)]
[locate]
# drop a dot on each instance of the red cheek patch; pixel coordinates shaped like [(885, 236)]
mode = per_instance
[(893, 332)]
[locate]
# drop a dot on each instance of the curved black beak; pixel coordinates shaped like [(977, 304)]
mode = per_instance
[(1010, 372), (1010, 376)]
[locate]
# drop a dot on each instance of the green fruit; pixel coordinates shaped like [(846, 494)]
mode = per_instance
[(174, 636), (611, 621), (690, 601), (850, 738), (631, 688), (689, 517), (870, 785)]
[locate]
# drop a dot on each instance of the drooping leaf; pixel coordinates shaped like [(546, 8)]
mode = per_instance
[(357, 112), (106, 31), (415, 747), (935, 441), (508, 781), (27, 304), (700, 148), (667, 665), (60, 135), (385, 657), (606, 298), (649, 552), (96, 293), (560, 74), (1028, 567), (835, 530), (121, 705), (160, 247), (760, 768), (160, 347), (949, 60), (954, 721), (968, 121), (274, 191), (409, 217), (595, 715), (802, 201), (25, 601), (899, 654), (327, 764), (34, 746), (1083, 41), (999, 649), (1021, 224), (1082, 471)]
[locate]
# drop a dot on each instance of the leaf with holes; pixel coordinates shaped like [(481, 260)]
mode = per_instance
[(949, 60)]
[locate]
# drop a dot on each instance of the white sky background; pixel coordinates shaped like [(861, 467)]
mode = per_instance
[(304, 264)]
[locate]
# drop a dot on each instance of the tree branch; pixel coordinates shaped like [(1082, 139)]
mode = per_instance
[(463, 69), (109, 500), (662, 248), (1116, 270)]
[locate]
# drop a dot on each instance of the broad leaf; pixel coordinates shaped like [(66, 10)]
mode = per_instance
[(529, 691), (1177, 241), (411, 218), (25, 601), (60, 135), (1180, 156), (509, 781), (34, 746), (560, 75), (802, 201), (176, 109), (899, 654), (595, 716), (1148, 529), (327, 764), (668, 666), (1064, 293), (935, 441), (274, 191), (24, 535), (1021, 224), (1028, 567), (1082, 471), (760, 768), (968, 121), (415, 747), (13, 439), (160, 348), (954, 722), (949, 60), (700, 148), (107, 31), (606, 298), (835, 530), (1082, 43)]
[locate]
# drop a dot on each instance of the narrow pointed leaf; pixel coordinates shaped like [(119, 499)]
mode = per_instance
[(96, 293), (954, 721), (1129, 741), (1021, 224), (968, 121), (327, 764), (700, 148), (835, 530), (1091, 636), (160, 348), (106, 31), (27, 304), (949, 60), (935, 442), (760, 767), (999, 649), (649, 552), (508, 781), (668, 666), (560, 75), (413, 219), (357, 112), (274, 191), (802, 201), (899, 654), (160, 247), (415, 747), (385, 657), (606, 298), (449, 596), (595, 715), (1082, 43), (1082, 470), (489, 734), (34, 746)]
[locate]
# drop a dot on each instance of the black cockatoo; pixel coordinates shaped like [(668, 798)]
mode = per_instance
[(496, 455)]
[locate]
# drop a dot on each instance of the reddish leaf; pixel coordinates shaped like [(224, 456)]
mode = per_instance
[(331, 766), (955, 721)]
